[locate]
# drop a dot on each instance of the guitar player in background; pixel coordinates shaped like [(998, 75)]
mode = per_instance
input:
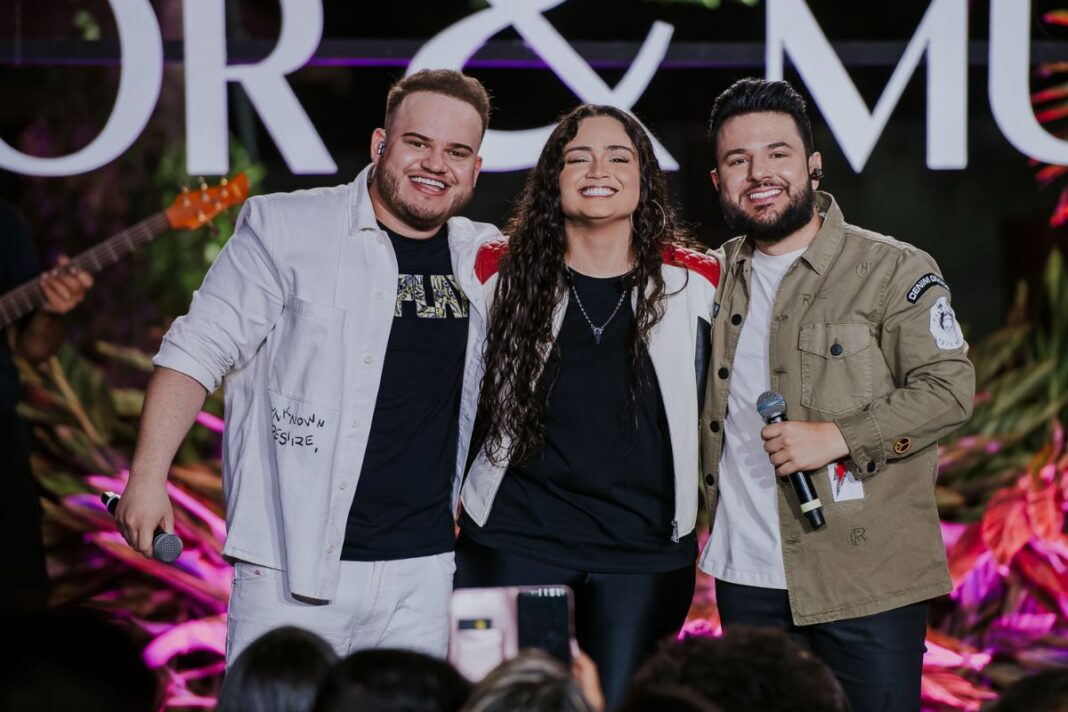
[(35, 338)]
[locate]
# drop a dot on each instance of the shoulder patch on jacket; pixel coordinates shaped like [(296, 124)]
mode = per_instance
[(705, 265), (488, 259)]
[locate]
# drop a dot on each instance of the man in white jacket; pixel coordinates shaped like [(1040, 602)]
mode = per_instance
[(346, 323)]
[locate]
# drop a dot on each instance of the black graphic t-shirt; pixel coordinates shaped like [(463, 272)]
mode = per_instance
[(401, 507), (600, 496)]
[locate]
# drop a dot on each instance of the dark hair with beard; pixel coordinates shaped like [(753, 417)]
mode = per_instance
[(754, 96), (440, 81), (514, 402), (797, 213)]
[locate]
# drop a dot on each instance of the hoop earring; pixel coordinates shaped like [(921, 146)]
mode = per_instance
[(663, 220)]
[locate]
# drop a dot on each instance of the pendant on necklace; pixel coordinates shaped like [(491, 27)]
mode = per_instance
[(597, 334)]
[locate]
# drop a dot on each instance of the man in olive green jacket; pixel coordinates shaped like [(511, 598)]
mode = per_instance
[(856, 331)]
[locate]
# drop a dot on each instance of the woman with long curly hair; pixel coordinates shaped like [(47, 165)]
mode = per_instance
[(595, 360)]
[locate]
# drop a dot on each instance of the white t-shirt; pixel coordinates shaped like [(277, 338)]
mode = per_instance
[(745, 547)]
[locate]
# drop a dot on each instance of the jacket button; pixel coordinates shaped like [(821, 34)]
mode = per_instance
[(714, 427), (710, 480), (836, 349), (736, 319), (871, 467), (723, 373)]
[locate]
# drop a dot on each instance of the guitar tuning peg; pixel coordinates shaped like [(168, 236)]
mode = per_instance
[(225, 193), (218, 205), (201, 217), (223, 182)]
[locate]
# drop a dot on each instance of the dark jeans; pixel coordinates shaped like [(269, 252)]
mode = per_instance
[(619, 618), (878, 659)]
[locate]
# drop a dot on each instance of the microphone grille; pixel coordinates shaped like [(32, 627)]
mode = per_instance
[(771, 404), (166, 547)]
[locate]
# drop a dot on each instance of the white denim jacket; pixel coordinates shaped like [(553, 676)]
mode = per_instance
[(295, 316), (678, 349)]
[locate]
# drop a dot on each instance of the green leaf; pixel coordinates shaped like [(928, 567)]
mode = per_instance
[(126, 355), (90, 388)]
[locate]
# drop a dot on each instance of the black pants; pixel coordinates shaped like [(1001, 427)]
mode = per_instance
[(878, 659), (619, 618)]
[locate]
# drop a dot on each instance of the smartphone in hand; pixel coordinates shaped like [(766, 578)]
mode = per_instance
[(491, 625)]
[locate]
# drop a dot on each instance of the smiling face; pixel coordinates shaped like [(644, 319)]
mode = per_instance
[(763, 176), (427, 170), (601, 180)]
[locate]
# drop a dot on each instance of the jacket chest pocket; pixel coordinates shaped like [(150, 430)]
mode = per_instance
[(306, 363), (835, 367)]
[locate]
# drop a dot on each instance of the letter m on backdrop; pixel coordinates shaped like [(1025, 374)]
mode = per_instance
[(942, 36)]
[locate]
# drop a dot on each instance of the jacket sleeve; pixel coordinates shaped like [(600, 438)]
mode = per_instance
[(234, 310), (927, 356)]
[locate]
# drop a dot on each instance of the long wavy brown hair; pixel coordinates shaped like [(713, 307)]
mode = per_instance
[(513, 405)]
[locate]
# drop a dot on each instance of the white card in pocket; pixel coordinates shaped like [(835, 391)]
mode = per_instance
[(844, 485)]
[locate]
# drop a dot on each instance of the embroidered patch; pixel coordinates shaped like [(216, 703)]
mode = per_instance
[(944, 327), (923, 284), (859, 536), (902, 445)]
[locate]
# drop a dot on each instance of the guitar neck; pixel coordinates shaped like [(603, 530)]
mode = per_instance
[(28, 297)]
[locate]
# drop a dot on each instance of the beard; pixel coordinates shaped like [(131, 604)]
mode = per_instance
[(796, 215), (417, 217)]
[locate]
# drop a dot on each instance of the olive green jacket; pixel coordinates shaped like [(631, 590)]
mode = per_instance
[(861, 334)]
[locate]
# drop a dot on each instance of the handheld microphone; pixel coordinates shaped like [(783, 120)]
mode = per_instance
[(166, 547), (772, 408)]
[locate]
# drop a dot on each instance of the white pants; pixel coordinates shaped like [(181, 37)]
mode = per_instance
[(379, 604)]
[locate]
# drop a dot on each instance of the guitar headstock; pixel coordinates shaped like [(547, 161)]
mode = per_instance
[(193, 209)]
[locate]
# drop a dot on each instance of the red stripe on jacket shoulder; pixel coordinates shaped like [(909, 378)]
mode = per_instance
[(488, 259), (705, 265)]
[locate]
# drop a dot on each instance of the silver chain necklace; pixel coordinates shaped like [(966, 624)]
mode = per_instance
[(598, 331)]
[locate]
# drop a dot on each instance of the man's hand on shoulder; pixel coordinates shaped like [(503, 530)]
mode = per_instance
[(799, 446)]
